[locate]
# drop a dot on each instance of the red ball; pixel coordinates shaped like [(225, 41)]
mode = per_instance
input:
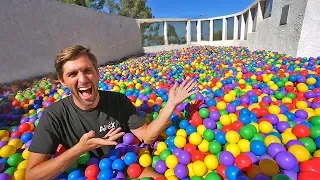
[(24, 127), (301, 131), (221, 170), (91, 178), (256, 111), (289, 88), (309, 166), (16, 133), (308, 175), (134, 170), (197, 155), (196, 121), (237, 125), (132, 98), (189, 148), (227, 128), (92, 171), (243, 162), (160, 178), (15, 103), (153, 96)]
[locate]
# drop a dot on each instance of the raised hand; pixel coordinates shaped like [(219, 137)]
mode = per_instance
[(178, 93), (89, 142)]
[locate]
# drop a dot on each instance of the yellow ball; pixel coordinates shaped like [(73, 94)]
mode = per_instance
[(302, 87), (201, 129), (4, 133), (182, 132), (143, 151), (199, 168), (311, 81), (274, 109), (227, 98), (244, 145), (172, 177), (301, 105), (7, 150), (287, 136), (317, 111), (180, 141), (204, 146), (316, 153), (211, 161), (19, 174), (300, 152), (234, 149), (195, 139), (265, 127), (26, 154), (221, 105), (161, 146), (191, 173), (271, 139), (145, 160), (225, 120), (171, 161), (169, 172), (23, 165), (232, 137)]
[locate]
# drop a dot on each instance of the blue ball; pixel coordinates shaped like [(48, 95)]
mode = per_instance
[(191, 129), (233, 172), (26, 137), (258, 147), (113, 154), (130, 158), (105, 163), (317, 141), (184, 124), (118, 164), (221, 138), (75, 174), (81, 178), (174, 117), (105, 174), (171, 131)]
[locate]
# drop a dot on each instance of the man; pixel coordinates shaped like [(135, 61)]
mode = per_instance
[(90, 120)]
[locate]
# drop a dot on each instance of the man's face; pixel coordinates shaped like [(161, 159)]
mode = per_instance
[(81, 78)]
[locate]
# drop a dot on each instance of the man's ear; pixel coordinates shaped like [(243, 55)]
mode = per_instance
[(61, 81)]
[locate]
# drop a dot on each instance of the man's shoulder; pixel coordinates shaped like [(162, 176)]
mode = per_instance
[(58, 106), (110, 94)]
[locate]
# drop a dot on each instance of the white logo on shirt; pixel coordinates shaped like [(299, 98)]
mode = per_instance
[(110, 126)]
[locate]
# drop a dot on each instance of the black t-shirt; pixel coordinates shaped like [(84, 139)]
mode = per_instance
[(64, 123)]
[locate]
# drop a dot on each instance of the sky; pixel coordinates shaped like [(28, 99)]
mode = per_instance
[(196, 8)]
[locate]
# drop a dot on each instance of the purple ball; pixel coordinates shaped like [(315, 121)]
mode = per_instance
[(273, 119), (184, 157), (315, 105), (291, 174), (298, 120), (286, 160), (177, 151), (120, 175), (226, 158), (180, 107), (231, 108), (24, 120), (301, 114), (122, 148), (209, 123), (267, 99), (282, 126), (93, 160), (215, 115), (33, 119), (264, 156), (3, 143), (5, 176), (28, 143), (293, 142), (252, 156), (309, 94), (244, 99), (181, 171), (2, 166), (128, 138), (161, 167), (274, 148), (262, 177)]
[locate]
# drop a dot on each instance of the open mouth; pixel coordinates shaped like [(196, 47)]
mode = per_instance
[(85, 92)]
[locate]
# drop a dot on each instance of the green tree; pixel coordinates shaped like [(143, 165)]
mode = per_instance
[(217, 35), (95, 4), (130, 8)]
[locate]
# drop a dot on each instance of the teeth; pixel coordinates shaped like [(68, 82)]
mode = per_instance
[(84, 88)]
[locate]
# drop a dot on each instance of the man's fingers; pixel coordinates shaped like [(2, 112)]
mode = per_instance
[(116, 136), (183, 83), (188, 84), (115, 131), (192, 86), (102, 142), (89, 135), (110, 131)]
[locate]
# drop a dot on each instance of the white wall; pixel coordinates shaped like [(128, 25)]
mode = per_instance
[(33, 32), (309, 45)]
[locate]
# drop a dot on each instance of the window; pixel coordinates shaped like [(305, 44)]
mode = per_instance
[(284, 15), (267, 8)]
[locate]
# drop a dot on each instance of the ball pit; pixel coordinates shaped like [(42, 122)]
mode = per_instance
[(256, 116)]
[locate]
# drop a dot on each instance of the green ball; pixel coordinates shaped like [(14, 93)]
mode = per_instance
[(219, 125), (197, 178), (146, 178), (213, 176), (122, 91), (208, 135), (309, 144), (215, 147), (123, 86), (281, 177), (155, 159), (36, 122), (72, 167), (279, 95), (222, 112), (154, 115), (84, 158), (315, 120), (164, 154), (257, 136), (292, 124), (10, 170), (291, 95), (15, 159), (246, 132), (147, 89), (193, 96), (315, 132), (254, 129), (204, 112)]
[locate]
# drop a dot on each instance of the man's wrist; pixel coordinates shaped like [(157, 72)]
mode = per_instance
[(78, 150)]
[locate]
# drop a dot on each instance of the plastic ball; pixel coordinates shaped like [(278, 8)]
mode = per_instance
[(130, 158), (171, 161), (134, 170), (145, 160), (300, 152), (257, 147), (199, 168), (286, 160)]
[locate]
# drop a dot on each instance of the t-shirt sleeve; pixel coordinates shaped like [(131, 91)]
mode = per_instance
[(134, 119), (45, 139)]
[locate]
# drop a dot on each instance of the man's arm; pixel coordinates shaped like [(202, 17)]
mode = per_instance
[(149, 133), (42, 167)]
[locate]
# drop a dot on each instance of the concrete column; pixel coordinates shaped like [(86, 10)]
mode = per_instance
[(188, 28), (165, 34), (259, 15), (199, 31), (224, 29), (211, 30), (250, 22), (243, 27), (235, 28)]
